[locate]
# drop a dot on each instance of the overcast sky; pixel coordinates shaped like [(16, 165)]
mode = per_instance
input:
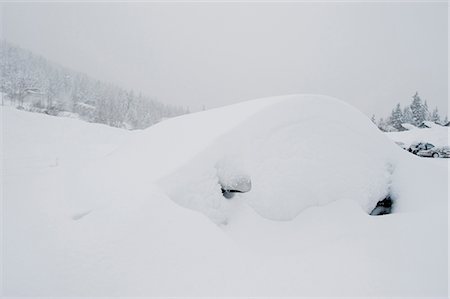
[(371, 55)]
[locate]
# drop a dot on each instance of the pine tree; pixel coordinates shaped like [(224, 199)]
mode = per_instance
[(396, 118), (435, 117), (36, 84), (417, 110), (382, 125), (385, 126), (426, 111), (414, 114), (407, 116), (373, 119)]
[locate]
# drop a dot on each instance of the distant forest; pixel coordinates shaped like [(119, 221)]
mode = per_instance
[(32, 83), (415, 113)]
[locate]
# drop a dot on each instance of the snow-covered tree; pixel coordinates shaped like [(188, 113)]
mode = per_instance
[(417, 110), (396, 118), (435, 117), (407, 115), (426, 111), (415, 114), (382, 125), (36, 84), (373, 119)]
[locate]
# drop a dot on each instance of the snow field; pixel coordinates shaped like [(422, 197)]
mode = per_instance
[(118, 214)]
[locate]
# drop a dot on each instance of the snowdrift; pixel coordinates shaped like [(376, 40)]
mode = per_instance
[(436, 135), (299, 152), (96, 211)]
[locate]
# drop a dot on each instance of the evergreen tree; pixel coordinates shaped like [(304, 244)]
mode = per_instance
[(407, 115), (396, 118), (417, 110), (414, 114), (435, 116), (426, 112), (382, 125), (34, 83)]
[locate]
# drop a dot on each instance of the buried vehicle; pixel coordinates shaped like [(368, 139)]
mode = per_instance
[(237, 184), (279, 161), (419, 146), (436, 152), (316, 165)]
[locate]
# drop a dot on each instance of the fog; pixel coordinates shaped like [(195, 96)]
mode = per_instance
[(205, 55)]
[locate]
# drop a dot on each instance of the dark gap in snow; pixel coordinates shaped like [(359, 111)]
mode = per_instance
[(228, 194), (383, 207), (238, 184)]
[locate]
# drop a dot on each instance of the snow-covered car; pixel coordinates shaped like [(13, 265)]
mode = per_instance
[(238, 184), (436, 152), (419, 146)]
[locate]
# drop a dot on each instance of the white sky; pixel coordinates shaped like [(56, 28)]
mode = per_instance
[(371, 55)]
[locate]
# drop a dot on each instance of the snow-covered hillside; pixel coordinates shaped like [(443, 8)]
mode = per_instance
[(92, 210)]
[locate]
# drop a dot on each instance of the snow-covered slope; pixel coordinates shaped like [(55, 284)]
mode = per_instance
[(112, 212)]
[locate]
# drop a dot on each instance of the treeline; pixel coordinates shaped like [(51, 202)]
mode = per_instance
[(32, 83), (415, 113)]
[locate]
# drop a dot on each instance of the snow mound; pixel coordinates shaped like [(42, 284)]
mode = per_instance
[(409, 126), (431, 124), (298, 151), (436, 135)]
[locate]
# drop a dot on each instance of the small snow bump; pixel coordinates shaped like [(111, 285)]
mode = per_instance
[(80, 215)]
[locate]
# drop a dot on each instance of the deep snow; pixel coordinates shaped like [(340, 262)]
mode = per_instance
[(92, 210), (436, 135), (300, 152)]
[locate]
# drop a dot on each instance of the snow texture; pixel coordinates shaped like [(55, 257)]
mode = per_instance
[(91, 210), (408, 126), (299, 152), (436, 135)]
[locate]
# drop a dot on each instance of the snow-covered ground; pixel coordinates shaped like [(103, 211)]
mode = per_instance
[(436, 135), (90, 210)]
